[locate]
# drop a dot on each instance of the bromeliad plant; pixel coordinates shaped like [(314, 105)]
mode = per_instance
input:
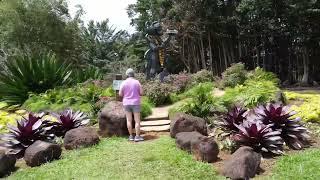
[(266, 128), (234, 117), (294, 134), (32, 128), (28, 130), (66, 121), (259, 136)]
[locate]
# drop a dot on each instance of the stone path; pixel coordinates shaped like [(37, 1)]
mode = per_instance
[(158, 121)]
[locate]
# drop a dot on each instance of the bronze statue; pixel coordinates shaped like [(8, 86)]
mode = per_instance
[(156, 54)]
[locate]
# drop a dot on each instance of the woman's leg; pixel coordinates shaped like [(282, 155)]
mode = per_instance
[(129, 122), (137, 121)]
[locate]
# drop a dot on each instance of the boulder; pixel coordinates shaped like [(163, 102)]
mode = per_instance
[(41, 152), (243, 164), (205, 150), (7, 164), (112, 120), (80, 137), (186, 123), (185, 139)]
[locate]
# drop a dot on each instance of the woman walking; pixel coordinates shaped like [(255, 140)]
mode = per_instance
[(131, 91)]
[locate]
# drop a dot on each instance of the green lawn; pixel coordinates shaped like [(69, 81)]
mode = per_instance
[(303, 165), (116, 158)]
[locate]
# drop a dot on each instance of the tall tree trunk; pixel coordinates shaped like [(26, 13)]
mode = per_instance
[(224, 54), (305, 57), (202, 54), (239, 47), (220, 59), (195, 58), (183, 57), (231, 49), (210, 54)]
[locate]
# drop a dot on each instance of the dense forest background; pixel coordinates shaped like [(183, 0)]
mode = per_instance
[(281, 36)]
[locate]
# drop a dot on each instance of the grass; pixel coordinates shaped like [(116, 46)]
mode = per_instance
[(115, 158), (304, 165)]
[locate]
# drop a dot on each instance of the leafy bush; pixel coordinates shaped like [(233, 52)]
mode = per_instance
[(306, 105), (82, 75), (146, 107), (108, 92), (234, 75), (261, 75), (35, 74), (158, 93), (265, 128), (180, 81), (250, 94), (141, 78), (199, 102), (81, 97), (202, 76)]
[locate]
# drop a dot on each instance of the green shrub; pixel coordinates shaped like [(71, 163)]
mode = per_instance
[(158, 93), (146, 107), (201, 77), (109, 92), (34, 74), (259, 74), (234, 75), (250, 94), (82, 75), (141, 78), (199, 102), (81, 97), (180, 81), (306, 105)]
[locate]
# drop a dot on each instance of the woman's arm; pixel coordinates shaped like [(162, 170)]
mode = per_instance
[(121, 90), (141, 90)]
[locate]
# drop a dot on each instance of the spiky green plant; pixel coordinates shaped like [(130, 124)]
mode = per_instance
[(32, 73)]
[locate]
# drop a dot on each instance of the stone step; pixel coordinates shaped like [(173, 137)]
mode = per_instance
[(158, 113), (156, 118), (164, 128), (155, 123)]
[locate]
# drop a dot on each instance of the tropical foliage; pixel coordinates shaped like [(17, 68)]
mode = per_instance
[(35, 74), (199, 101)]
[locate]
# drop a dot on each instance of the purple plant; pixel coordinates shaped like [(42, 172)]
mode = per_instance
[(234, 117), (259, 136), (66, 121), (294, 134), (27, 131), (276, 114)]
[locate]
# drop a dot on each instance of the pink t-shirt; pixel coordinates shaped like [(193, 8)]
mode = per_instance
[(130, 88)]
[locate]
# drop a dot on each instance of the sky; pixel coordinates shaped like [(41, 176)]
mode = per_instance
[(99, 10)]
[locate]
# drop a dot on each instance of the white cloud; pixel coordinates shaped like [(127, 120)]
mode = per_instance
[(99, 10)]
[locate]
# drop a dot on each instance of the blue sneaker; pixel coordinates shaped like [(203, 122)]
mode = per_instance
[(131, 138), (138, 139)]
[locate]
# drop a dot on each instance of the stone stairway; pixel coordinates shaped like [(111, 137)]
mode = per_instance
[(158, 121)]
